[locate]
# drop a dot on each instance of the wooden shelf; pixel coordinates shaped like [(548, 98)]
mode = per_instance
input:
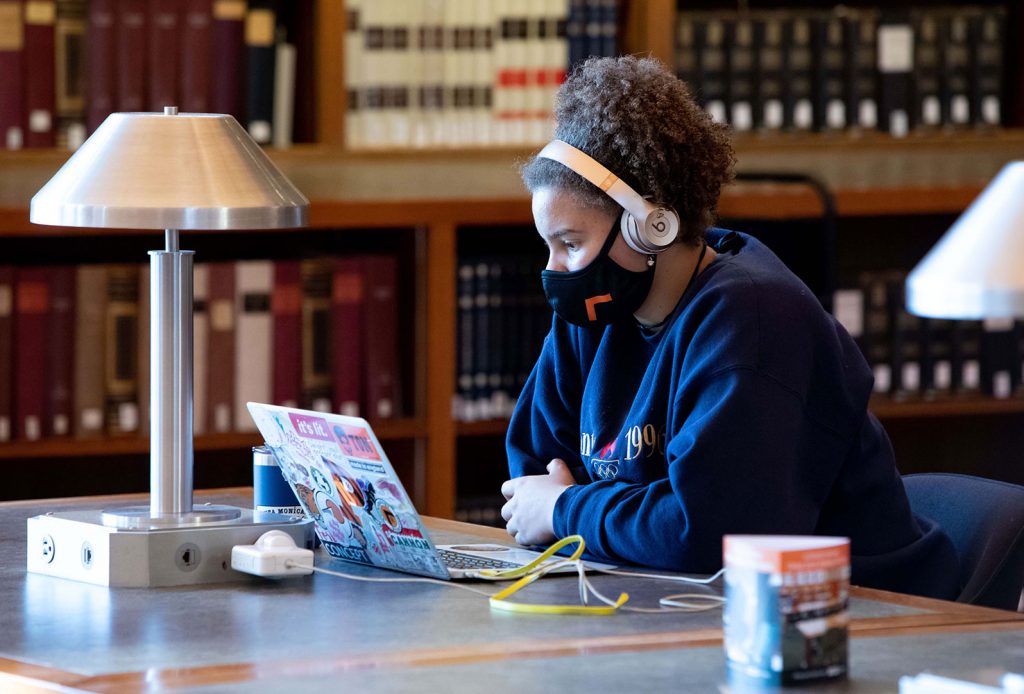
[(882, 407), (486, 427), (886, 408), (870, 175), (137, 445)]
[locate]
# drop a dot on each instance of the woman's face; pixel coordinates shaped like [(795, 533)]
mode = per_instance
[(574, 234)]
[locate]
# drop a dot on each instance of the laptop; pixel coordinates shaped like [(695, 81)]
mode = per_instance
[(344, 481)]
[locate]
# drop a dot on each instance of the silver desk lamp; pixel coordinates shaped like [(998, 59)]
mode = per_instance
[(165, 171), (976, 270)]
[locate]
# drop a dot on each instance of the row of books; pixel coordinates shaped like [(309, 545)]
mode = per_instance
[(464, 72), (67, 65), (502, 320), (914, 357), (74, 344), (895, 70)]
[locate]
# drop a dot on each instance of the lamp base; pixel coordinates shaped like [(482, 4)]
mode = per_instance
[(86, 546)]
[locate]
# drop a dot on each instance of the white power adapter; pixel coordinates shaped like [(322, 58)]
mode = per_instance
[(270, 555)]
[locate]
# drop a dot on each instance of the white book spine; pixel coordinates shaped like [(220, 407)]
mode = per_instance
[(502, 95), (284, 94), (254, 282), (535, 64), (374, 124), (483, 71), (200, 346), (354, 78), (432, 68), (414, 13)]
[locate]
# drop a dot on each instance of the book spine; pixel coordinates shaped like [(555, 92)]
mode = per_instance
[(100, 62), (200, 347), (906, 346), (12, 48), (89, 392), (462, 407), (196, 49), (131, 64), (967, 351), (862, 78), (381, 337), (316, 334), (937, 365), (482, 354), (260, 20), (954, 83), (228, 56), (354, 74), (740, 70), (348, 303), (828, 87), (254, 282), (284, 94), (482, 73), (895, 67), (999, 361), (164, 44), (877, 330), (987, 33), (769, 112), (32, 304), (40, 73), (798, 106), (220, 389), (69, 60), (120, 370), (7, 338), (927, 111), (60, 352), (710, 36), (286, 307)]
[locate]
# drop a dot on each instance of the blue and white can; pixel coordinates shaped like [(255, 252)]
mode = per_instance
[(270, 490)]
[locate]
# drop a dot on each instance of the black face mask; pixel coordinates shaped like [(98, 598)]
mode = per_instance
[(601, 293)]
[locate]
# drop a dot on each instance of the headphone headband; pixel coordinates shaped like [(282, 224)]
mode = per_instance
[(647, 228), (589, 168)]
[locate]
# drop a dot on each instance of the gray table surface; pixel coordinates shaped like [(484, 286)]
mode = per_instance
[(93, 630), (876, 664)]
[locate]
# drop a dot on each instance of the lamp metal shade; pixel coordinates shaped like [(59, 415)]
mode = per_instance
[(180, 171), (977, 269)]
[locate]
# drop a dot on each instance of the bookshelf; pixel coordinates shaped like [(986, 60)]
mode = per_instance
[(435, 196)]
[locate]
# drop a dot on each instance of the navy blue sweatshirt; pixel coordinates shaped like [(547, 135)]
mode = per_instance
[(746, 413)]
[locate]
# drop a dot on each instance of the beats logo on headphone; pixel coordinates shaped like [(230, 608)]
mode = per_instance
[(646, 228)]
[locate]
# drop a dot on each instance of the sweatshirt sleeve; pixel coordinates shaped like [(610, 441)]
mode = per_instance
[(545, 422), (732, 454)]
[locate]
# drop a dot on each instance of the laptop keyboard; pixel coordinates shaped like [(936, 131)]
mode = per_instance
[(457, 560)]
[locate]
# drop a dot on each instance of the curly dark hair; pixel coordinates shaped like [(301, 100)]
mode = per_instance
[(636, 118)]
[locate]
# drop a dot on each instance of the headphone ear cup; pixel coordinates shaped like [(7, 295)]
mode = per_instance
[(661, 228), (631, 232)]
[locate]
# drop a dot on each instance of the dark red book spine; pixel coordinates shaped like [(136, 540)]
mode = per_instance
[(196, 49), (164, 51), (32, 303), (40, 73), (348, 297), (131, 55), (286, 308), (100, 70), (227, 76), (12, 45), (381, 339), (221, 358), (60, 355), (6, 351)]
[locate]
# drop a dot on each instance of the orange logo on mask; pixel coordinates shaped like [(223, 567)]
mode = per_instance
[(594, 301)]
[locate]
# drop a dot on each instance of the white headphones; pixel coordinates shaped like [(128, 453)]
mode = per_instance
[(646, 228)]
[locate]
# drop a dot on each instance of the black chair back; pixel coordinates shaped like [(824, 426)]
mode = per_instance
[(985, 520)]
